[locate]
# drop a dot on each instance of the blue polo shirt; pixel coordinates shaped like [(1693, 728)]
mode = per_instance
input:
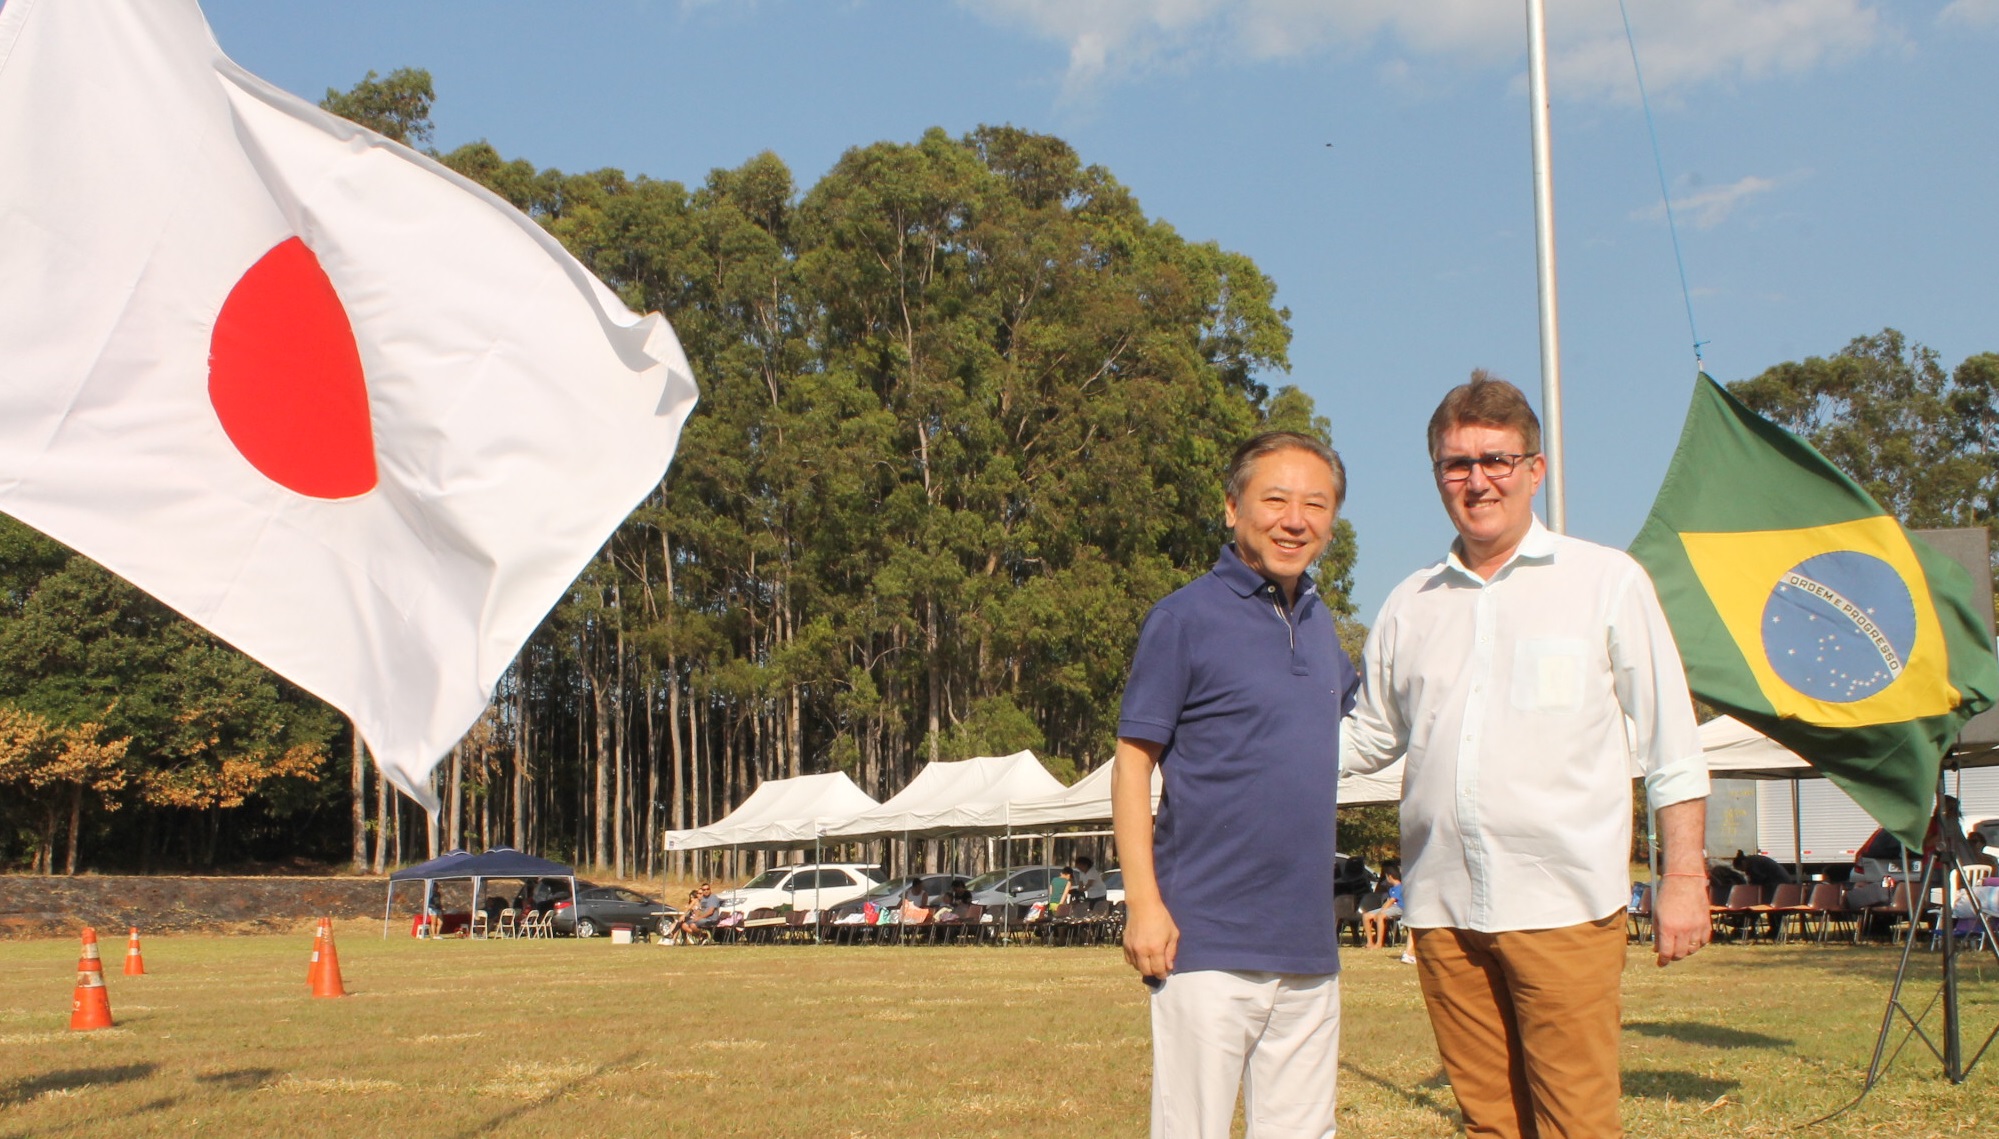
[(1246, 699)]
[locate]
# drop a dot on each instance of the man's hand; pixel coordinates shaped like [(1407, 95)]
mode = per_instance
[(1680, 917), (1151, 940)]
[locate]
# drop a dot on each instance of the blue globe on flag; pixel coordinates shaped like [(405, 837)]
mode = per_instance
[(1839, 627)]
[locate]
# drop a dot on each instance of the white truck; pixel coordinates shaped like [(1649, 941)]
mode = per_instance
[(1832, 826)]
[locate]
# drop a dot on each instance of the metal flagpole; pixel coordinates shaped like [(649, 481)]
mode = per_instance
[(1544, 259)]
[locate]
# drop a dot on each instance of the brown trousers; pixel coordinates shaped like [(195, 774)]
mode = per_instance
[(1527, 1024)]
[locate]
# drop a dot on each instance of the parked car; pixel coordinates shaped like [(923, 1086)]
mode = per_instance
[(1351, 876), (816, 886), (890, 893), (1013, 886), (1882, 856), (598, 908), (1984, 835)]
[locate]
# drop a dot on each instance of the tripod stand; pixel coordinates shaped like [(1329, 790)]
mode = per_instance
[(1943, 864)]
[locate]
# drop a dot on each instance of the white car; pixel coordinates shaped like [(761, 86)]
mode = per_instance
[(815, 887)]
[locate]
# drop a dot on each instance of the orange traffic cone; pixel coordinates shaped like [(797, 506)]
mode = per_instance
[(135, 962), (318, 956), (327, 984), (92, 1006)]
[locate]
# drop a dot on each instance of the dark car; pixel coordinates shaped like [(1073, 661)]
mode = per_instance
[(598, 908), (889, 894), (1015, 885)]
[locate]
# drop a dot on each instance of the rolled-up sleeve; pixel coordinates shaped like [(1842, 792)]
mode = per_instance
[(1652, 688), (1374, 734)]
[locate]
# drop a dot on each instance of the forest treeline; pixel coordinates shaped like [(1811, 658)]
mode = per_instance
[(964, 412)]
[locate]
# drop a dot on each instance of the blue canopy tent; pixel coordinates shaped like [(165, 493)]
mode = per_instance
[(499, 862)]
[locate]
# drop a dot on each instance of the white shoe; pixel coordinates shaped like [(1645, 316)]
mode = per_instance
[(1408, 960)]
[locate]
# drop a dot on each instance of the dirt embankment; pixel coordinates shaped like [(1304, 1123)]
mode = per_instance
[(33, 906)]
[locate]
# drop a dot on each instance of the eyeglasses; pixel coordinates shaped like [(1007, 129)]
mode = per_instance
[(1496, 466)]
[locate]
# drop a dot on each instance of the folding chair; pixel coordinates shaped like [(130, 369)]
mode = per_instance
[(1895, 909), (1787, 902), (1827, 903), (1744, 905), (1638, 915)]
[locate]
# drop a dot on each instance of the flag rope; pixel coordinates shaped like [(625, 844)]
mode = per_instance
[(1665, 196)]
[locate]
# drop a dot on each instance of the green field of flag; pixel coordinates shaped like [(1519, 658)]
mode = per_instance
[(1805, 610)]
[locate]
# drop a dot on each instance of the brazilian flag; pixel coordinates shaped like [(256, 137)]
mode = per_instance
[(1810, 614)]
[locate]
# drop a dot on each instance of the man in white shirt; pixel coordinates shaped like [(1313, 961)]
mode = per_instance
[(1516, 676), (1090, 881)]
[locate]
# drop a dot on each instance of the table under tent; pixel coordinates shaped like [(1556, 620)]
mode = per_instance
[(500, 863)]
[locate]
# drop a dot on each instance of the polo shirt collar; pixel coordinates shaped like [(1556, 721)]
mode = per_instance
[(1247, 582), (1538, 547)]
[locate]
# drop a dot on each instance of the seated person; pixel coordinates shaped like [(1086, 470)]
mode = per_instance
[(704, 912), (1721, 878), (1060, 884), (1374, 922), (914, 896), (685, 929), (1762, 870), (1090, 883)]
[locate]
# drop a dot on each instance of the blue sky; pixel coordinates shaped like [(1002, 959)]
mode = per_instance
[(1832, 160)]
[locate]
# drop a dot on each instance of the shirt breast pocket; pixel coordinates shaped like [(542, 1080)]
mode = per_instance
[(1548, 674)]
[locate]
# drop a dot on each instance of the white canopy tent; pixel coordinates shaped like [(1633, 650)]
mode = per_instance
[(1734, 750), (952, 797), (781, 813), (1088, 800)]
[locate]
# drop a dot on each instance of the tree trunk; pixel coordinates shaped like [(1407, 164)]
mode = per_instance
[(382, 828), (358, 800), (648, 828), (75, 826), (600, 728), (931, 666), (455, 836), (521, 739), (620, 756), (432, 820)]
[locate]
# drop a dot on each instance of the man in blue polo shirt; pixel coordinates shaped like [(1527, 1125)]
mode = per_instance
[(1236, 692)]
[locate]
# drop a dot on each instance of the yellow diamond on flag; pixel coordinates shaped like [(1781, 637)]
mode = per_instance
[(1835, 622)]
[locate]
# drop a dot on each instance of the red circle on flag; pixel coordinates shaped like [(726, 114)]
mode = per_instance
[(285, 379)]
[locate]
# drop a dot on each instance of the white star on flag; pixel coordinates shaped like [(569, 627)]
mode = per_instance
[(344, 408)]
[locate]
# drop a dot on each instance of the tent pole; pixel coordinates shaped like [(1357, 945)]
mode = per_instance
[(388, 904)]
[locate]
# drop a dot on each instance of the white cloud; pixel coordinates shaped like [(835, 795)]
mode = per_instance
[(1976, 13), (1709, 206), (1682, 43)]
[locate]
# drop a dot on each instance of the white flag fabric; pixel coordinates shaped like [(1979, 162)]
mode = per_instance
[(344, 408)]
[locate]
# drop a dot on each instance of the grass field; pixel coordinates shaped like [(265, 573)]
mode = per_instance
[(461, 1038)]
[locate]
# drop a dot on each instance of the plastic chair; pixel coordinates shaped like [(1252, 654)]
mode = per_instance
[(1744, 905), (1786, 902), (1895, 909), (479, 923), (1638, 913), (508, 925), (1827, 903)]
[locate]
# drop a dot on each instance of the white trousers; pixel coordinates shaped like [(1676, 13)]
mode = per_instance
[(1274, 1035)]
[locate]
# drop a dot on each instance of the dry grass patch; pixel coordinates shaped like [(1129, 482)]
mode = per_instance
[(515, 1038)]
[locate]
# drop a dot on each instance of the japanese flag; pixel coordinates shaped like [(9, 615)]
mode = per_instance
[(349, 411)]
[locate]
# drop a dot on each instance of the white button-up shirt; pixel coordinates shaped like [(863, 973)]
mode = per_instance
[(1524, 705)]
